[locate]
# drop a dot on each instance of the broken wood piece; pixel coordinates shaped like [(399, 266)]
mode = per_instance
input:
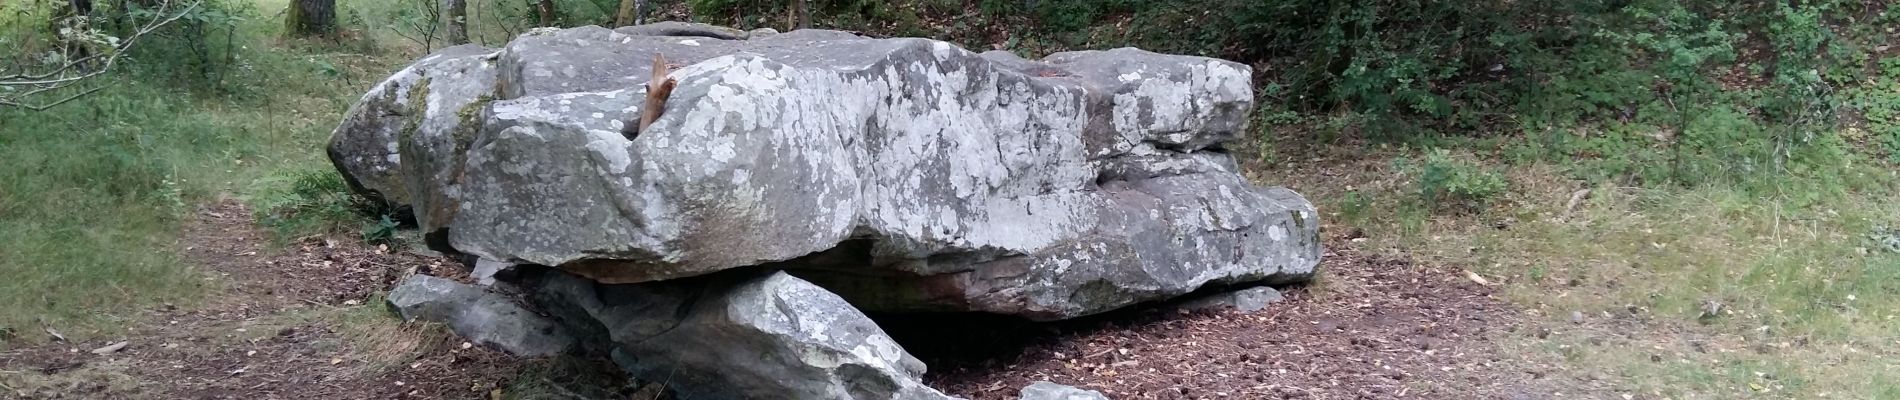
[(108, 349), (1479, 279)]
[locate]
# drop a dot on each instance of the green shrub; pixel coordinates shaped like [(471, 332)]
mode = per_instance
[(1446, 182), (1879, 104), (319, 201)]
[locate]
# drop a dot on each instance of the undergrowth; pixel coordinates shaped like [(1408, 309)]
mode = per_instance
[(317, 202), (214, 109)]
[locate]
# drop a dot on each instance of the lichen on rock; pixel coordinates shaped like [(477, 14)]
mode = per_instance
[(1050, 189)]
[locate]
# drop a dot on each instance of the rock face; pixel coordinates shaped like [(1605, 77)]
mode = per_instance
[(724, 337), (367, 146), (902, 174), (482, 317), (1045, 390)]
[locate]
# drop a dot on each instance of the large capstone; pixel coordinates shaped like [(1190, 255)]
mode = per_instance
[(901, 174), (725, 337)]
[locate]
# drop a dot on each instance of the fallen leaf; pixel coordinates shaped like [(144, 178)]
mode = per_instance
[(110, 348), (56, 335)]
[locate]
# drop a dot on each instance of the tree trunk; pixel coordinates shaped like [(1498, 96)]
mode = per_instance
[(632, 12), (310, 17), (803, 9), (458, 21), (625, 16), (546, 9)]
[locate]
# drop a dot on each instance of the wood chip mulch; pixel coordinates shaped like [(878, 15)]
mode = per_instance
[(1384, 329)]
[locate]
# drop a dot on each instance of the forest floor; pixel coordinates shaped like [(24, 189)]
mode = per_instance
[(306, 321), (283, 323), (1377, 327)]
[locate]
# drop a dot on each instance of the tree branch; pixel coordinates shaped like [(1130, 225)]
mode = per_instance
[(64, 75)]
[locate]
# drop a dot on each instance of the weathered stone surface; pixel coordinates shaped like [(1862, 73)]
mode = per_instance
[(1247, 300), (725, 337), (485, 271), (676, 28), (902, 174), (480, 316), (1045, 390), (366, 147)]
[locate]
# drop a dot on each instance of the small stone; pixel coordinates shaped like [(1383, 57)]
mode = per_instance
[(1245, 301), (486, 270), (1045, 390)]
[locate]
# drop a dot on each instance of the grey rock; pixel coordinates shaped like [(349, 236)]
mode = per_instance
[(480, 316), (1045, 390), (485, 271), (726, 337), (677, 28), (1885, 238), (902, 174), (1247, 300), (366, 146)]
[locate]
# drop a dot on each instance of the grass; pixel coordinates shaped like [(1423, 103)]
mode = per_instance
[(96, 189), (367, 336), (89, 225), (1809, 306), (1801, 306)]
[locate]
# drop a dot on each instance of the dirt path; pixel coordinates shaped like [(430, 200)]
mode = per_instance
[(272, 331), (294, 324)]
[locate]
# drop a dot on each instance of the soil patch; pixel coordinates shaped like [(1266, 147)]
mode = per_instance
[(1377, 327), (272, 332)]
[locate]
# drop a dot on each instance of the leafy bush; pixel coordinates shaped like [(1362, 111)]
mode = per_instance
[(1446, 182), (1879, 104)]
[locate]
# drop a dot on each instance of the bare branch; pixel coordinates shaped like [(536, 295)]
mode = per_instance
[(55, 103), (74, 71)]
